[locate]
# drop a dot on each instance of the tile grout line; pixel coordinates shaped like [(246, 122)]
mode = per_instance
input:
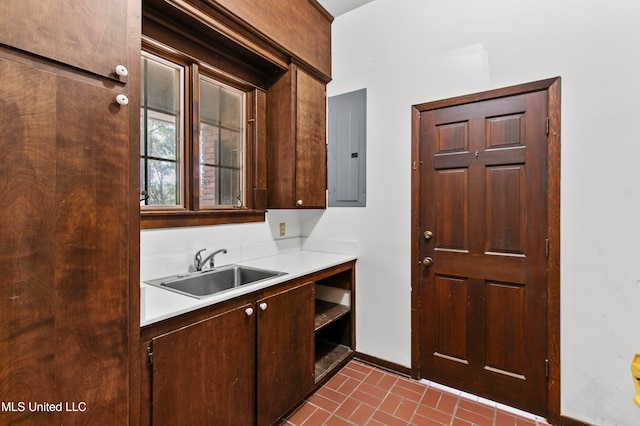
[(351, 394)]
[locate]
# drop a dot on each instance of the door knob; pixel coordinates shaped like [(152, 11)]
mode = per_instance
[(248, 311), (299, 202), (427, 235), (427, 261), (263, 306)]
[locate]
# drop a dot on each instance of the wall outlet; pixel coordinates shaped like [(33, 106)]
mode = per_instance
[(282, 229)]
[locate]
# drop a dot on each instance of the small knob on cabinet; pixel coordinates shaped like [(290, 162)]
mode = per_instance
[(263, 306), (122, 99), (122, 71), (249, 311), (299, 202)]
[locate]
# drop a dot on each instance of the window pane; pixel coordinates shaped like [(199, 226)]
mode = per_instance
[(221, 144), (209, 103), (230, 104), (162, 139), (160, 136), (230, 148), (209, 142), (162, 178), (164, 80), (219, 186)]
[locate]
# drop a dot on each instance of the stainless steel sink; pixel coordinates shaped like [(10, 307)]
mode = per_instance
[(208, 283)]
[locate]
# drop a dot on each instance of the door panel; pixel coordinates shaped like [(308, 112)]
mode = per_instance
[(452, 318), (64, 244), (311, 148), (483, 301), (505, 311), (204, 374), (285, 351)]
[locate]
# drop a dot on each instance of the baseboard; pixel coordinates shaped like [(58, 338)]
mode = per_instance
[(383, 364), (568, 421)]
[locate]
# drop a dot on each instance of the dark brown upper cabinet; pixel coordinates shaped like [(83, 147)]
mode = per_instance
[(91, 36), (299, 27), (296, 142)]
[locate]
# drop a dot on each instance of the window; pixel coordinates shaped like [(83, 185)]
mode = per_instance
[(194, 143), (161, 133), (221, 144)]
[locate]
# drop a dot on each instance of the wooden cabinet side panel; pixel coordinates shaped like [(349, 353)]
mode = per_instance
[(281, 142), (89, 35), (64, 252), (296, 25), (311, 148), (285, 351), (205, 373)]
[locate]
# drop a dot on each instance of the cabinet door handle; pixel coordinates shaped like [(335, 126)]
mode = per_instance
[(299, 202), (249, 311), (122, 71), (122, 99), (263, 306)]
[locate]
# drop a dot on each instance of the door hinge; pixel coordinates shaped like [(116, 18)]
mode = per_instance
[(149, 356), (546, 368), (546, 247), (547, 125)]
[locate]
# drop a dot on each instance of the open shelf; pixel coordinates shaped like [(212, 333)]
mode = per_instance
[(334, 321), (328, 356), (328, 312)]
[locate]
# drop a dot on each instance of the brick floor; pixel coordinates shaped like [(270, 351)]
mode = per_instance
[(363, 395)]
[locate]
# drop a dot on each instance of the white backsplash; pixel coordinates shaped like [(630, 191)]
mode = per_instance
[(170, 251)]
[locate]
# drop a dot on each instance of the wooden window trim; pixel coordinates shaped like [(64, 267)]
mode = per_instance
[(254, 207)]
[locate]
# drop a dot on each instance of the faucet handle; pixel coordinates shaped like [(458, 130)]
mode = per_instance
[(197, 259)]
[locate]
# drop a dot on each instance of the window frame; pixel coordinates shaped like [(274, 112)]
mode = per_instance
[(253, 207), (181, 172)]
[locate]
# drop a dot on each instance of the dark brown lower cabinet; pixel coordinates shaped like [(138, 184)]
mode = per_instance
[(285, 351), (205, 373), (245, 364), (250, 360)]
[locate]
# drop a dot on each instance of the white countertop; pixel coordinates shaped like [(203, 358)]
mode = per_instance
[(158, 304)]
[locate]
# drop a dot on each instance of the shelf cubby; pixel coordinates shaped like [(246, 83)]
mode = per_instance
[(334, 322)]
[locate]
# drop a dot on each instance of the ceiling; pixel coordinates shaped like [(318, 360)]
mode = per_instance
[(339, 7)]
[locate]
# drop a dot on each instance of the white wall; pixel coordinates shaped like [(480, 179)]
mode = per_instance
[(412, 51)]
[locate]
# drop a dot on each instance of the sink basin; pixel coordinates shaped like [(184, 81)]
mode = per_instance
[(208, 283)]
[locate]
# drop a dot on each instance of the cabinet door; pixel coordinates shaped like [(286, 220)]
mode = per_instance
[(311, 142), (90, 35), (63, 225), (204, 374), (285, 351), (296, 149)]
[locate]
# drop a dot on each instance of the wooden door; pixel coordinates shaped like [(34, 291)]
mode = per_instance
[(482, 221), (285, 351), (204, 374)]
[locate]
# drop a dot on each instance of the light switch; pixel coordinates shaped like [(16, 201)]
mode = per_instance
[(282, 229)]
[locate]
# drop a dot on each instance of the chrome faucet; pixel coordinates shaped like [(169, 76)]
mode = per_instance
[(199, 262)]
